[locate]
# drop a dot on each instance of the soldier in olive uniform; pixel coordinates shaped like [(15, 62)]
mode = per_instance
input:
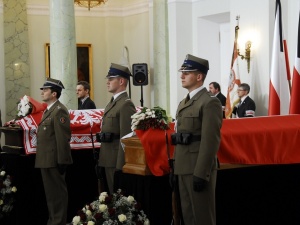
[(197, 139), (53, 152), (116, 123)]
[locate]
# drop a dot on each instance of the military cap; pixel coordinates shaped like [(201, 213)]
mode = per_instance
[(193, 63), (53, 83), (117, 70)]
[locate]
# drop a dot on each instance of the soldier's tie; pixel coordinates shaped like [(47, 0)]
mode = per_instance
[(187, 98)]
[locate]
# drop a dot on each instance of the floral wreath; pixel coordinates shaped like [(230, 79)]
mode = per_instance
[(7, 194), (115, 209), (24, 107), (146, 118)]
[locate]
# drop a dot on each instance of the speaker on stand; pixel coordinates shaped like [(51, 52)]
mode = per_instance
[(140, 77)]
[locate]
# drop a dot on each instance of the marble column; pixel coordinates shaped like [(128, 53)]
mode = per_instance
[(63, 56), (16, 54), (161, 55)]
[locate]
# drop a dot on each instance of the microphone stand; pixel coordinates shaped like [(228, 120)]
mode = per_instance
[(142, 100)]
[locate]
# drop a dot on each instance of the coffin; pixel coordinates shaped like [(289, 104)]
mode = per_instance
[(135, 159)]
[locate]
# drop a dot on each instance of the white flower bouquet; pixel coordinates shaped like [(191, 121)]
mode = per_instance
[(112, 209), (146, 118), (7, 194), (24, 107)]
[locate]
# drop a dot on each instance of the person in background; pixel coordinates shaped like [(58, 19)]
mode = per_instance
[(83, 94), (53, 151), (116, 123), (246, 106), (215, 89), (197, 139), (84, 156)]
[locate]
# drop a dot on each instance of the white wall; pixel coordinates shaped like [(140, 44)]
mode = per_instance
[(209, 48), (137, 38), (180, 44)]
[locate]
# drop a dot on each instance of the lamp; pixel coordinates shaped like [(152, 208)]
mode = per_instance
[(89, 3), (247, 54)]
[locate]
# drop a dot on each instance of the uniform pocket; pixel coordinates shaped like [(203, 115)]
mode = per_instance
[(191, 120), (194, 147), (112, 119)]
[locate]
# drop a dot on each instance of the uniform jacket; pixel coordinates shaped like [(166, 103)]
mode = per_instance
[(117, 120), (53, 138), (201, 115), (222, 99), (87, 104), (246, 109)]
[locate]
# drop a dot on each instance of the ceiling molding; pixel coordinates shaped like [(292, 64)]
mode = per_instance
[(102, 11)]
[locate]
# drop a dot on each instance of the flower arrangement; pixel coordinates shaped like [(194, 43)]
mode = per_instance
[(146, 118), (115, 209), (24, 107), (7, 194)]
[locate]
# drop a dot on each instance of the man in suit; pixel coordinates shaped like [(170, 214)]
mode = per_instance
[(197, 139), (83, 94), (84, 157), (53, 152), (116, 123), (215, 89), (246, 107)]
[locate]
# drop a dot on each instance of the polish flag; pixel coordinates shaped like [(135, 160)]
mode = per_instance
[(295, 95), (279, 93)]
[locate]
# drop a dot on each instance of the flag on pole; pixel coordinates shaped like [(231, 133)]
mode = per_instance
[(295, 95), (234, 78), (279, 92)]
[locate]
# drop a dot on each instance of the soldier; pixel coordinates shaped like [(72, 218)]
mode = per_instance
[(53, 152), (115, 124), (197, 139)]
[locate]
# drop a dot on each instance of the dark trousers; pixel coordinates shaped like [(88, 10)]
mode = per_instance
[(197, 207), (56, 195)]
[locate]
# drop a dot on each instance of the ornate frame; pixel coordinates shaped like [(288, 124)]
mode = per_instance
[(84, 64)]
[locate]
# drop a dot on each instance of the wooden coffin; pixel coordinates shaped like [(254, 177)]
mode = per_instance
[(135, 160)]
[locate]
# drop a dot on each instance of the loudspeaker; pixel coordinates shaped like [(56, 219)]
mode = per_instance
[(140, 74)]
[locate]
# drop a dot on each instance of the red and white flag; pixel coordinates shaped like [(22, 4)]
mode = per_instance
[(279, 93), (234, 78), (295, 95)]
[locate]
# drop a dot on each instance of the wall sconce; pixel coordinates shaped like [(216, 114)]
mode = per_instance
[(247, 54)]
